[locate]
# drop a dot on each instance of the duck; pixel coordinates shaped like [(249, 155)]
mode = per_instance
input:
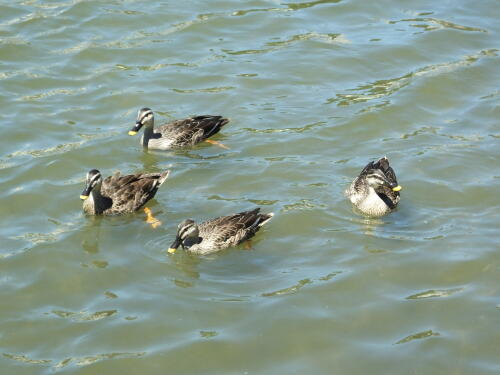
[(375, 192), (219, 233), (117, 194), (180, 133)]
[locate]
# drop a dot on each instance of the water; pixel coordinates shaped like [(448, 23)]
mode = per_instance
[(314, 91)]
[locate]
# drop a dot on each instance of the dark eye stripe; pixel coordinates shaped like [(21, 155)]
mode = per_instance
[(145, 115), (184, 229), (94, 178)]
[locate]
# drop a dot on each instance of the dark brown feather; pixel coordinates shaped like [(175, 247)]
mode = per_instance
[(130, 192)]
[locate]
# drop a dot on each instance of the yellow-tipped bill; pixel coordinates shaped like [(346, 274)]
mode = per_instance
[(171, 250), (131, 132), (397, 188), (83, 197)]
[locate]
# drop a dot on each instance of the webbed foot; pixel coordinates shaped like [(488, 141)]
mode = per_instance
[(150, 219), (221, 145)]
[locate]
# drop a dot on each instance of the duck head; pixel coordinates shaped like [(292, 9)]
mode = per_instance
[(186, 230), (93, 180), (375, 178), (145, 117)]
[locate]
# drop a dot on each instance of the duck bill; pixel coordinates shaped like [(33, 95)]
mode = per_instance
[(85, 193), (172, 249), (135, 129), (397, 188)]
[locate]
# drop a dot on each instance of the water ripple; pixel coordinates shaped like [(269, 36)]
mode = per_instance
[(417, 336), (289, 7), (437, 24), (54, 92), (299, 285), (301, 129), (26, 359), (54, 150), (83, 316), (207, 89), (309, 4), (383, 88), (433, 293), (277, 45), (89, 360), (290, 290)]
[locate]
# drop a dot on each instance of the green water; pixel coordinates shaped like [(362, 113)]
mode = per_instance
[(314, 91)]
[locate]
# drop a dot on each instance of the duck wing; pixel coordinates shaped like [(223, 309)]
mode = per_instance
[(233, 229), (383, 165), (390, 197), (192, 130), (130, 192), (367, 168)]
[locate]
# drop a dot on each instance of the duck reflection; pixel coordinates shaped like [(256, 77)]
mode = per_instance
[(91, 234)]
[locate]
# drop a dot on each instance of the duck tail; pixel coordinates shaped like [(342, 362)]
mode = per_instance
[(163, 176), (213, 124), (223, 121), (264, 218), (367, 168), (382, 164)]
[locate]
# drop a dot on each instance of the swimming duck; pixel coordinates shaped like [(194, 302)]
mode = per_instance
[(179, 133), (375, 192), (220, 233), (118, 194)]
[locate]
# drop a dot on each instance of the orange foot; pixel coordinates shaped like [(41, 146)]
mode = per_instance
[(248, 245), (150, 219), (217, 143)]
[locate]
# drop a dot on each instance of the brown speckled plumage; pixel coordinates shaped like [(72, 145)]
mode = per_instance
[(220, 233), (375, 199), (179, 133), (119, 194)]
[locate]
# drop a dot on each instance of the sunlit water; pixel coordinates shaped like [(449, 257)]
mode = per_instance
[(314, 91)]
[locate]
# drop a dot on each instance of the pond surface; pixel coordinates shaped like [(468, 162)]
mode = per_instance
[(314, 91)]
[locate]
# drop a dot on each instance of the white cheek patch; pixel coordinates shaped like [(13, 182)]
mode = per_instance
[(183, 232), (187, 232), (375, 180)]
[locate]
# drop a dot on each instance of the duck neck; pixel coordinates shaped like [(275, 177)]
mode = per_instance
[(97, 200), (190, 241), (148, 134)]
